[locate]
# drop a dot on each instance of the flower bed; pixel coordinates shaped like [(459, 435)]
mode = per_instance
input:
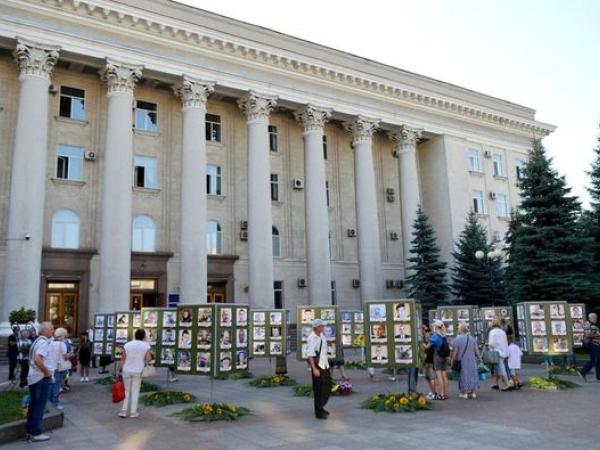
[(563, 370), (394, 403), (164, 398), (359, 365), (244, 374), (211, 412), (274, 381), (550, 383)]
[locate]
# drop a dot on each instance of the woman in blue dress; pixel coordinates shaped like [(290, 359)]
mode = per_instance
[(465, 350)]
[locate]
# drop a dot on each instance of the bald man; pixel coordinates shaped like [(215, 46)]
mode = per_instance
[(591, 341)]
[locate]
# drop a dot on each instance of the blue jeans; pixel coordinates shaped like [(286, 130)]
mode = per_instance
[(413, 378), (38, 396), (55, 389), (594, 361)]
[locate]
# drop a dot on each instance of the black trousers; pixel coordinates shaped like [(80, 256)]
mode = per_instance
[(321, 389), (12, 366)]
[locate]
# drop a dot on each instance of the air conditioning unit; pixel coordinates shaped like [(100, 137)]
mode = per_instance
[(487, 154), (52, 89), (243, 235), (351, 232), (244, 225), (90, 156), (492, 195), (399, 284), (298, 184), (390, 198), (301, 282), (389, 284), (355, 283), (395, 153), (393, 235), (390, 191)]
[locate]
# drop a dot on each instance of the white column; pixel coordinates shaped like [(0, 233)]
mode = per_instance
[(193, 272), (315, 204), (28, 180), (369, 251), (115, 241), (405, 147), (260, 246)]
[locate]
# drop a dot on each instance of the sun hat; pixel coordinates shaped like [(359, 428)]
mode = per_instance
[(317, 323), (438, 323)]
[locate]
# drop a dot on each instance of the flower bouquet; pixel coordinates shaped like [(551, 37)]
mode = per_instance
[(274, 381), (343, 388), (394, 403), (164, 398), (211, 412)]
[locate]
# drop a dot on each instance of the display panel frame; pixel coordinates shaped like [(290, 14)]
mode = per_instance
[(538, 327), (330, 315), (268, 340)]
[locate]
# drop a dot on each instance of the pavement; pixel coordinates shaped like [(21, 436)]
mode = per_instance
[(526, 419)]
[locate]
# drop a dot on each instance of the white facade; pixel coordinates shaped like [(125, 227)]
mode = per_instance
[(330, 151)]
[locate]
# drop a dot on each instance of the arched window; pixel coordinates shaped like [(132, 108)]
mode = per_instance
[(144, 234), (65, 229), (276, 243), (214, 240)]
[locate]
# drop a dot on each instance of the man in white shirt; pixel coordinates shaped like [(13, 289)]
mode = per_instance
[(316, 352)]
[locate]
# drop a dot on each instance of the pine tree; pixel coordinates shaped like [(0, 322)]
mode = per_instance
[(548, 253), (476, 281), (591, 223), (427, 279)]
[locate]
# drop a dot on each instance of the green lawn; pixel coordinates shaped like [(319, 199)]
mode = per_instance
[(10, 406)]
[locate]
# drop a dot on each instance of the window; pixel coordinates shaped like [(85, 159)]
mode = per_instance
[(72, 103), (69, 163), (325, 147), (144, 234), (278, 294), (276, 243), (478, 202), (474, 163), (144, 172), (519, 164), (333, 296), (502, 204), (145, 116), (65, 229), (274, 187), (273, 138), (213, 127), (213, 180), (327, 192), (498, 165), (214, 238)]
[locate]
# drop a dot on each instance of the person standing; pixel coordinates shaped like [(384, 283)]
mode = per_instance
[(85, 356), (514, 362), (316, 352), (465, 350), (441, 352), (428, 370), (56, 362), (498, 341), (591, 342), (39, 380), (136, 354), (13, 353)]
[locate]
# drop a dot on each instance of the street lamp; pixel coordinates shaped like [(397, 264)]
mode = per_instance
[(489, 257)]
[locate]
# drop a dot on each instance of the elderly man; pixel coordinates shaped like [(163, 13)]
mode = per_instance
[(591, 341), (316, 352), (39, 380)]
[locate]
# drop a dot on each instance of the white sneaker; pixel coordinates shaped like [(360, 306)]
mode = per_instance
[(465, 396), (39, 438), (431, 396), (122, 414), (60, 407), (87, 379), (134, 415)]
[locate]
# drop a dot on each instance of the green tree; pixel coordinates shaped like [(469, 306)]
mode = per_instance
[(427, 279), (591, 224), (477, 281), (548, 252)]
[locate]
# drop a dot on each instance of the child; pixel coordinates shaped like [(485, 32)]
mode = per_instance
[(85, 356), (514, 362)]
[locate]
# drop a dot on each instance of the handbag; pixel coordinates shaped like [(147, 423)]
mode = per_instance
[(148, 371), (457, 364), (490, 356), (118, 390)]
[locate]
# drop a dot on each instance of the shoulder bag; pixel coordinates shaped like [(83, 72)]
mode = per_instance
[(490, 356), (457, 364)]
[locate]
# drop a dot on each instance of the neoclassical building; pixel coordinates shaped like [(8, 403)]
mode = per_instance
[(153, 153)]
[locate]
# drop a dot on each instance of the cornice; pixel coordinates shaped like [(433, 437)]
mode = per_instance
[(180, 31)]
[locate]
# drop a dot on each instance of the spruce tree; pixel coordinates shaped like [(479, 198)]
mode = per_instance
[(476, 281), (548, 253), (427, 279), (591, 223)]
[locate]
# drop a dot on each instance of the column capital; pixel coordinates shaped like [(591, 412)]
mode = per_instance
[(362, 128), (257, 106), (194, 92), (405, 138), (313, 118), (35, 59), (120, 77)]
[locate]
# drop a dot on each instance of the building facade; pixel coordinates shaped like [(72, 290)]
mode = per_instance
[(153, 153)]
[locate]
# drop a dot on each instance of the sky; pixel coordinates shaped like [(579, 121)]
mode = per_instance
[(544, 54)]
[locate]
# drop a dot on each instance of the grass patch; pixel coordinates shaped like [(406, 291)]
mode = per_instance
[(10, 406)]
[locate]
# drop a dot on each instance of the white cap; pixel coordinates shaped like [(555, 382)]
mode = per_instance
[(438, 323), (317, 323)]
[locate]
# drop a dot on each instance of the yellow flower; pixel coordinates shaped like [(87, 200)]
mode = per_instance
[(186, 397), (219, 411), (422, 401), (207, 409), (403, 401)]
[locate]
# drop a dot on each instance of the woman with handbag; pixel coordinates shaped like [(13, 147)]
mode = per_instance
[(136, 354), (465, 356)]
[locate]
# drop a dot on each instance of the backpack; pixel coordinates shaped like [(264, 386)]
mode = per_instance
[(444, 350)]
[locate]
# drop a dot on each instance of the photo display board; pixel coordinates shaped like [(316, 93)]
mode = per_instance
[(126, 322), (304, 318), (489, 313), (352, 327), (545, 328), (212, 339), (392, 333), (577, 314), (159, 324), (103, 334), (453, 316), (268, 332)]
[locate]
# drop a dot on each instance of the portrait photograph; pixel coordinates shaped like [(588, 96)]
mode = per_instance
[(403, 354), (121, 336), (225, 339), (110, 321), (258, 348), (504, 313), (303, 351), (346, 328), (402, 332), (185, 317), (577, 326), (307, 315), (557, 311), (359, 328), (150, 336), (203, 362), (306, 331), (149, 319), (578, 339), (489, 314), (109, 334), (462, 314), (167, 356), (331, 349), (559, 328), (109, 348), (576, 312), (98, 334), (446, 315), (204, 338), (538, 328), (539, 344), (184, 361), (168, 336), (402, 311), (241, 338), (258, 333), (379, 354), (99, 322), (536, 311), (169, 319), (276, 318), (118, 351), (241, 359), (560, 344), (225, 319), (359, 317), (449, 329), (377, 312), (378, 332), (328, 315), (346, 316), (97, 348), (204, 317), (520, 314), (346, 340), (329, 332), (275, 348), (258, 318), (225, 362), (122, 320), (241, 318), (185, 339), (276, 333), (137, 320)]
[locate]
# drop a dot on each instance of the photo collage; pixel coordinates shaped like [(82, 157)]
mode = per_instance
[(159, 324), (392, 334), (546, 326), (577, 315), (489, 313), (453, 316), (330, 317), (268, 332), (126, 322), (103, 334), (353, 329), (212, 339)]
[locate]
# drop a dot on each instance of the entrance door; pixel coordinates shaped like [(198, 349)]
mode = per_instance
[(216, 293), (144, 293), (61, 307)]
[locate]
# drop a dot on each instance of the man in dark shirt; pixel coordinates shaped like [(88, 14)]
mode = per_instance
[(591, 341), (13, 353)]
